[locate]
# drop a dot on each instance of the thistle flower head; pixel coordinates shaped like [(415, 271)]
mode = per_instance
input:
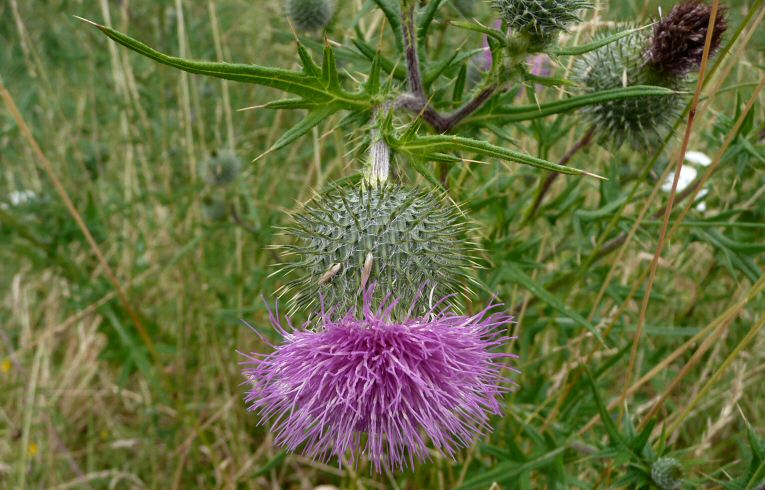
[(221, 168), (666, 473), (678, 39), (382, 388), (540, 19), (310, 15), (398, 237), (642, 122)]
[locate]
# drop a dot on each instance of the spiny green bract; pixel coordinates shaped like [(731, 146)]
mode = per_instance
[(310, 15), (541, 19), (403, 240), (666, 473), (642, 122), (221, 168)]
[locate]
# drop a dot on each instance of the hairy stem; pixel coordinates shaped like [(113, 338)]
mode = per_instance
[(414, 73), (378, 168), (417, 100)]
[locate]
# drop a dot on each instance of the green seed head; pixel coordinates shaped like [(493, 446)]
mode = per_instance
[(642, 122), (541, 20), (403, 240), (221, 168), (666, 473), (310, 15)]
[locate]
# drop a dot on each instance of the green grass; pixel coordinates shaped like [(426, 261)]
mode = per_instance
[(86, 401)]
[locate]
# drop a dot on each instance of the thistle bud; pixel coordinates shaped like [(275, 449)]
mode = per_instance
[(666, 473), (221, 168), (661, 58), (310, 15), (540, 20), (405, 241), (678, 39), (641, 122)]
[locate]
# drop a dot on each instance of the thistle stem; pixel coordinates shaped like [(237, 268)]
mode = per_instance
[(417, 100), (414, 74), (378, 167)]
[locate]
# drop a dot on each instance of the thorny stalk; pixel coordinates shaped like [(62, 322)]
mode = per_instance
[(417, 101)]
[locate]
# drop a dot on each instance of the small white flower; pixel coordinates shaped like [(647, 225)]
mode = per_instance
[(21, 197), (699, 158), (701, 206), (687, 176)]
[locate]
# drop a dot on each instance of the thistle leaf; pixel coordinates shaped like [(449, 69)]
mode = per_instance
[(598, 43), (427, 19), (329, 74), (429, 148), (314, 118), (396, 69), (506, 114), (305, 84), (289, 104), (496, 34), (372, 85), (392, 12)]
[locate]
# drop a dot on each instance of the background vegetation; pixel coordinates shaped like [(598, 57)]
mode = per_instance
[(88, 401)]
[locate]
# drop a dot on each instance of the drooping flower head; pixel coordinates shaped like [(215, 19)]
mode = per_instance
[(380, 388)]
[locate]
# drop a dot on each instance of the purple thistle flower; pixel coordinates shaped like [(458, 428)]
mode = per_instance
[(380, 388)]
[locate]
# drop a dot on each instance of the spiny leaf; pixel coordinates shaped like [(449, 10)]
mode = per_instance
[(508, 114), (425, 147), (298, 83), (329, 74), (309, 66), (455, 59), (289, 104), (392, 12), (372, 86), (427, 19), (315, 117), (586, 48), (495, 34), (422, 169), (397, 70)]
